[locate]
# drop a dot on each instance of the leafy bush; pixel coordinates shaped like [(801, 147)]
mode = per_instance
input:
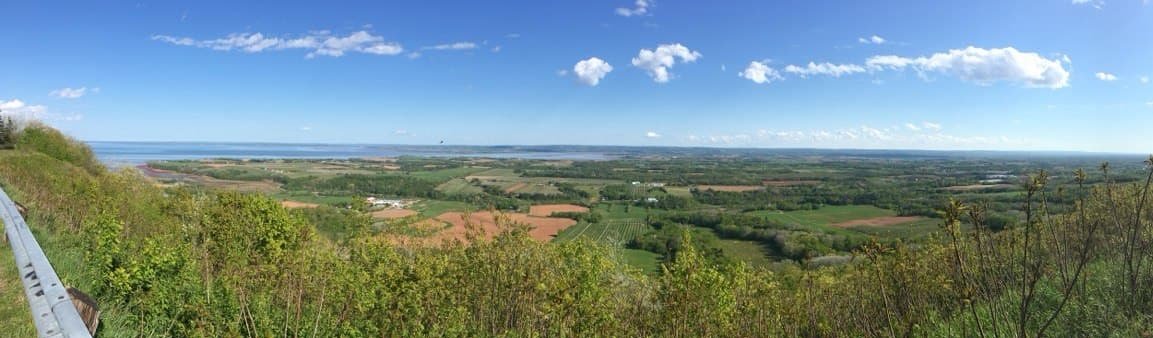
[(42, 139)]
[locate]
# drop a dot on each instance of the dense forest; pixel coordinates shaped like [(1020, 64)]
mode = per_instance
[(187, 261)]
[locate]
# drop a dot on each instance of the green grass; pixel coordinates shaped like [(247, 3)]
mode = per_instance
[(910, 231), (640, 259), (446, 174), (459, 186), (752, 253), (680, 191), (15, 317), (433, 208), (826, 215), (538, 188)]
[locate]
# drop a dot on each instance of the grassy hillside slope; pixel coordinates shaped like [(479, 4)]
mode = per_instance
[(184, 262)]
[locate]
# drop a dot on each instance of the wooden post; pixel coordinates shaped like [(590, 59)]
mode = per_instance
[(88, 309)]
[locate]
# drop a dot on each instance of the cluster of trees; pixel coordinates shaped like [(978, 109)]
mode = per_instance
[(638, 195), (225, 173), (681, 172), (670, 240), (366, 185), (811, 197), (495, 197), (7, 132), (623, 192), (587, 217), (183, 262), (782, 240), (568, 193), (488, 201)]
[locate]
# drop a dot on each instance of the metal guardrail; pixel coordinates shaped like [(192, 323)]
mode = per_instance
[(52, 308)]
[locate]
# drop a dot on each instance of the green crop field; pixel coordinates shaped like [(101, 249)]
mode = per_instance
[(640, 259), (445, 174), (433, 208), (679, 191), (538, 188), (750, 252), (613, 231), (917, 230), (459, 186), (826, 215)]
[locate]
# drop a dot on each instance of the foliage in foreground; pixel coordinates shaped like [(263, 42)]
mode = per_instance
[(205, 263)]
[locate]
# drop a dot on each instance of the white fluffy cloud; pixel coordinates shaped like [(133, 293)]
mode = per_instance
[(19, 110), (862, 137), (826, 68), (321, 43), (591, 71), (452, 46), (22, 112), (760, 73), (1098, 4), (657, 62), (872, 40), (652, 134), (1103, 76), (640, 7), (1144, 79), (73, 93), (983, 66), (924, 126)]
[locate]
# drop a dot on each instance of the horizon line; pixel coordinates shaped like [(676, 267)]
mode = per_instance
[(1084, 152)]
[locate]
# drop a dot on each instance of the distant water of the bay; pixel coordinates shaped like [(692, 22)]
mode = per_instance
[(118, 154)]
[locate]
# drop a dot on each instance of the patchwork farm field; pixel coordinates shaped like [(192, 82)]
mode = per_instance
[(637, 204)]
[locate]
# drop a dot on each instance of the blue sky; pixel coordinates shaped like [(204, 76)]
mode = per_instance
[(1039, 75)]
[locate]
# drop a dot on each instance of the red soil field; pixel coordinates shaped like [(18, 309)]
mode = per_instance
[(296, 204), (545, 210), (392, 213), (543, 228)]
